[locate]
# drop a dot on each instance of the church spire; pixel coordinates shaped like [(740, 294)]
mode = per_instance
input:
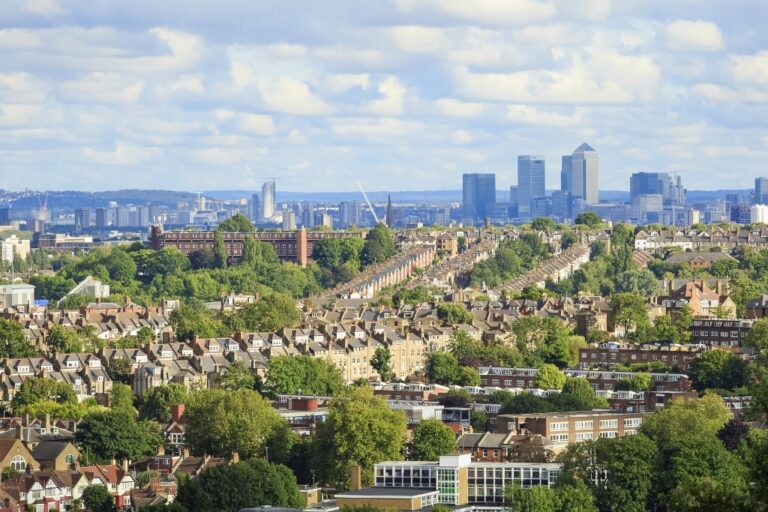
[(389, 218)]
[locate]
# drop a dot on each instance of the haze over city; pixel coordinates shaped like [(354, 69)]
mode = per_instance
[(403, 95)]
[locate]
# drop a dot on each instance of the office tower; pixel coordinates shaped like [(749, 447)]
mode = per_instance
[(308, 217), (255, 208), (122, 216), (82, 218), (325, 220), (268, 200), (350, 213), (101, 218), (530, 182), (761, 191), (6, 215), (143, 217), (579, 175), (647, 208), (643, 183), (289, 220), (479, 196)]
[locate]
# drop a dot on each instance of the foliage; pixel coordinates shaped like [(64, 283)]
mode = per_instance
[(718, 369), (121, 398), (97, 498), (220, 257), (157, 401), (628, 311), (63, 340), (589, 219), (360, 429), (272, 312), (117, 435), (415, 295), (534, 499), (512, 258), (543, 224), (243, 422), (431, 439), (13, 342), (453, 314), (549, 376), (120, 369), (382, 363), (303, 374), (378, 246), (230, 488), (238, 223), (442, 367), (237, 376), (189, 321), (35, 389)]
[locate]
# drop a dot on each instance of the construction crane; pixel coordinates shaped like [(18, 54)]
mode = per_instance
[(370, 206)]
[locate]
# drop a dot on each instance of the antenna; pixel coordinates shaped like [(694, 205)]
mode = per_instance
[(373, 212)]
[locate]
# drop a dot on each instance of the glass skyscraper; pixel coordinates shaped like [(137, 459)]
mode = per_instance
[(479, 196), (530, 182), (579, 175)]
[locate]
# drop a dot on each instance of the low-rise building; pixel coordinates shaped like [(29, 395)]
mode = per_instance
[(720, 332), (608, 355)]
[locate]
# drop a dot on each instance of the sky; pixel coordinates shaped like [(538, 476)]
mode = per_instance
[(402, 94)]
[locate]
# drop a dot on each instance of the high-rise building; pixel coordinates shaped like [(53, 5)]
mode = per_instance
[(479, 196), (102, 218), (255, 208), (350, 213), (758, 214), (308, 217), (761, 191), (289, 220), (6, 215), (268, 200), (644, 183), (647, 208), (82, 218), (530, 182), (580, 174)]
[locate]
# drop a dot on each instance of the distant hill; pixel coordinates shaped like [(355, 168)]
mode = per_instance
[(69, 199)]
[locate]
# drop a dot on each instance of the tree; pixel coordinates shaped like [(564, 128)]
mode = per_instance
[(699, 418), (382, 363), (13, 343), (238, 376), (757, 336), (575, 497), (230, 488), (718, 369), (121, 398), (534, 499), (628, 311), (431, 439), (378, 245), (120, 369), (238, 223), (116, 434), (478, 418), (219, 251), (36, 389), (442, 367), (733, 433), (468, 376), (589, 219), (190, 321), (360, 429), (243, 422), (272, 312), (157, 401), (63, 340), (453, 314), (303, 374), (549, 376), (97, 498), (455, 397), (543, 224), (202, 258)]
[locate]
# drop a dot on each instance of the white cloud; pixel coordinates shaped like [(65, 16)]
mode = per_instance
[(417, 39), (338, 84), (124, 154), (455, 108), (291, 96), (257, 124), (750, 68), (701, 36), (719, 93), (391, 102), (374, 128), (556, 34), (45, 8), (726, 151), (525, 114), (462, 137), (487, 12), (103, 88)]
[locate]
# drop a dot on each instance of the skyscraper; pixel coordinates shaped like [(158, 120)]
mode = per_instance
[(530, 182), (82, 218), (6, 215), (579, 175), (255, 208), (268, 200), (479, 196), (350, 213), (644, 183), (761, 191)]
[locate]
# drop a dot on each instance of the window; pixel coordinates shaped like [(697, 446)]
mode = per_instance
[(558, 427), (609, 424), (559, 438), (632, 422), (19, 463), (609, 435), (584, 425), (69, 459), (584, 436)]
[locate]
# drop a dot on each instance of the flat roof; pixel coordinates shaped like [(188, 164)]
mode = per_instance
[(387, 493)]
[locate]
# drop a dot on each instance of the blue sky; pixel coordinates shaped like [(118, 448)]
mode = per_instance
[(401, 94)]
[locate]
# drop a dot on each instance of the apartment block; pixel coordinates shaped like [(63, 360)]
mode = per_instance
[(720, 332), (608, 355)]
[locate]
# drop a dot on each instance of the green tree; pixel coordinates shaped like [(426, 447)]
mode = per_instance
[(534, 499), (116, 434), (62, 340), (13, 343), (121, 398), (757, 336), (272, 312), (36, 389), (219, 251), (718, 369), (379, 245), (589, 219), (549, 376), (244, 421), (382, 363), (360, 429), (453, 314), (543, 224), (157, 402), (98, 499), (238, 223), (442, 367), (575, 497), (468, 376), (190, 321), (628, 311), (238, 376), (431, 439), (303, 374), (230, 488)]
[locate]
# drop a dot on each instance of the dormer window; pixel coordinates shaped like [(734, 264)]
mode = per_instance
[(166, 354), (72, 364), (23, 369), (213, 348)]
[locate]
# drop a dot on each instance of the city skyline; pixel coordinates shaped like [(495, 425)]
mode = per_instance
[(98, 98)]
